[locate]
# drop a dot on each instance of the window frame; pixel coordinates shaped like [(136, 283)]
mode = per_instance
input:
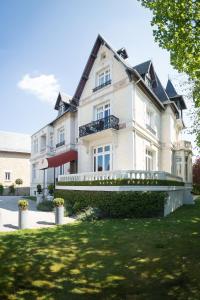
[(103, 111), (149, 159), (103, 76), (103, 154), (61, 132), (7, 172)]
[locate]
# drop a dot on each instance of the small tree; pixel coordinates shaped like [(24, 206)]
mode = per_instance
[(12, 189), (51, 189), (18, 182), (1, 189)]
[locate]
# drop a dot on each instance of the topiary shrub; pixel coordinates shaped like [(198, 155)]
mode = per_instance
[(1, 189), (57, 202), (18, 181), (115, 204), (23, 204)]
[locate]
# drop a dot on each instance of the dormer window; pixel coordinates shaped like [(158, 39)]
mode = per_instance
[(61, 109)]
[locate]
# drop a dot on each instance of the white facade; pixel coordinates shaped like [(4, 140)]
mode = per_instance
[(119, 122), (14, 158)]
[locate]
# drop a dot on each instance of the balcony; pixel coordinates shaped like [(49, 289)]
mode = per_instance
[(99, 125), (60, 144), (183, 145), (102, 85)]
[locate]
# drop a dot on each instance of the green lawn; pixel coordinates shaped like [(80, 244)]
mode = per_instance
[(112, 259)]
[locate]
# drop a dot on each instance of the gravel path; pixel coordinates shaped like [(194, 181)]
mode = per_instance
[(37, 219)]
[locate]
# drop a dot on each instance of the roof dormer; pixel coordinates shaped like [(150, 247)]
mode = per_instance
[(62, 103)]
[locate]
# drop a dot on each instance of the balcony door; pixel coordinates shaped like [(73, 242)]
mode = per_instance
[(102, 111)]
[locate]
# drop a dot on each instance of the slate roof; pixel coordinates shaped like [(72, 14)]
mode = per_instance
[(159, 90), (143, 68), (170, 89)]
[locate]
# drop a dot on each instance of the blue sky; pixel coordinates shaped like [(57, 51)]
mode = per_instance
[(44, 46)]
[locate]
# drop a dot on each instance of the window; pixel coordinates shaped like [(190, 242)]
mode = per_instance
[(61, 170), (149, 118), (102, 158), (178, 166), (33, 171), (102, 111), (149, 160), (7, 175), (103, 77), (61, 109), (51, 140), (35, 146), (61, 135)]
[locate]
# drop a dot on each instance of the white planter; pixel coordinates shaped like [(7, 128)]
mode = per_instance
[(59, 215), (23, 219)]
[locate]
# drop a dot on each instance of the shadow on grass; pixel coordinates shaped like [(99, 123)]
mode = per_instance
[(111, 259)]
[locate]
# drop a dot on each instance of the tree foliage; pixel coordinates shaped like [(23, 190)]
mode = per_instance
[(196, 171), (176, 28)]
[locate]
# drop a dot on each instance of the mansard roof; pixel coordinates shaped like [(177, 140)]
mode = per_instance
[(173, 95)]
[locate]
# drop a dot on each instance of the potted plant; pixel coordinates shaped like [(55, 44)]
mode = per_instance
[(18, 182), (23, 213), (39, 194), (58, 203)]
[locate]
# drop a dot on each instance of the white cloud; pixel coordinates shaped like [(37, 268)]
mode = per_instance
[(44, 87)]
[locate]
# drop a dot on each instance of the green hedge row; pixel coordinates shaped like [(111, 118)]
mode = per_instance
[(114, 204), (158, 182)]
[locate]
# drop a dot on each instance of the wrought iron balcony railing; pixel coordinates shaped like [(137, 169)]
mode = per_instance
[(60, 144), (102, 85), (99, 125)]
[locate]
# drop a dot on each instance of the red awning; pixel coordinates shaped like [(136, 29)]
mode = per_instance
[(59, 160)]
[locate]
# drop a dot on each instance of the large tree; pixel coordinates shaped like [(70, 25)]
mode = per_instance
[(176, 27)]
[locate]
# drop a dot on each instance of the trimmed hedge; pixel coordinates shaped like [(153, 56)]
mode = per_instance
[(114, 204), (159, 182)]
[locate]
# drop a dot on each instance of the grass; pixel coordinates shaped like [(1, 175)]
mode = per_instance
[(111, 259)]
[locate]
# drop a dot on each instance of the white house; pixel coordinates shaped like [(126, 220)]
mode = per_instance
[(15, 155), (120, 118)]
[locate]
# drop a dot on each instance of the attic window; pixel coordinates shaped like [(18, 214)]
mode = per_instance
[(103, 55), (61, 109)]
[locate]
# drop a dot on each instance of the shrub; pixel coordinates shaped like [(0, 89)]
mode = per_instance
[(11, 189), (196, 189), (114, 204), (57, 202), (89, 214), (39, 188), (1, 189), (18, 181), (125, 181), (23, 204), (45, 206), (51, 189)]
